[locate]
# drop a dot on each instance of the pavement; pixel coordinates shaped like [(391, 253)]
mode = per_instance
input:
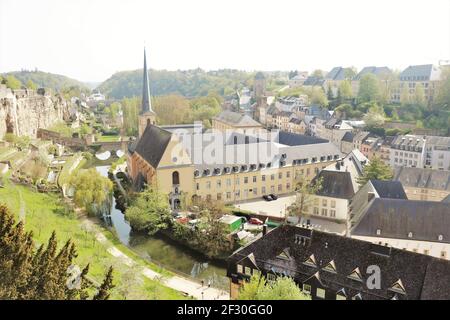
[(274, 208)]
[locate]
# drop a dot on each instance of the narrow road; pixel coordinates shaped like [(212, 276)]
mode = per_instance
[(175, 282)]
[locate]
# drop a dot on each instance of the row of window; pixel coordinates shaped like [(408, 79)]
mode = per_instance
[(247, 192), (246, 180), (324, 212), (406, 162)]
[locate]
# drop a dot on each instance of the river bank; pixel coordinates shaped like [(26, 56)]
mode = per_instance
[(165, 252)]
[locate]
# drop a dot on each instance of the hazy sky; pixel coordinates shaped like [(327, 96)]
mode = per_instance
[(91, 39)]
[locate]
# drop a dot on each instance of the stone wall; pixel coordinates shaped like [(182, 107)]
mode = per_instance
[(23, 112)]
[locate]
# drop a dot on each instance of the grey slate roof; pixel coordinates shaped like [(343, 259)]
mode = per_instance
[(337, 73), (348, 137), (152, 144), (423, 178), (313, 81), (378, 71), (237, 119), (295, 139), (396, 218), (335, 184), (422, 276), (420, 73), (389, 189)]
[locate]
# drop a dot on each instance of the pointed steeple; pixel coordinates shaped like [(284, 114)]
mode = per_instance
[(146, 102)]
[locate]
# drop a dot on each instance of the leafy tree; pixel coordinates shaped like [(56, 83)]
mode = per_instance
[(368, 88), (30, 274), (443, 92), (404, 95), (172, 109), (375, 170), (12, 82), (212, 235), (31, 85), (92, 190), (419, 95), (106, 286), (330, 95), (345, 90), (304, 197), (318, 97), (150, 211), (283, 288), (375, 117)]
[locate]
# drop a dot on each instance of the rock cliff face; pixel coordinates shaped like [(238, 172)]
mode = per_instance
[(23, 112)]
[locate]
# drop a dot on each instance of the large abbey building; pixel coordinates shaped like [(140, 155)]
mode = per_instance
[(187, 162)]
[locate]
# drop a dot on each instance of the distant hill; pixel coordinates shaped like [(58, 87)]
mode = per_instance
[(48, 80), (189, 83)]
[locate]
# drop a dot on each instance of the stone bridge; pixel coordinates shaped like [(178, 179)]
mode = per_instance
[(111, 145)]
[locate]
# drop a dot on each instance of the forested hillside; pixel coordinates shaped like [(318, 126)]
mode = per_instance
[(189, 83), (46, 79)]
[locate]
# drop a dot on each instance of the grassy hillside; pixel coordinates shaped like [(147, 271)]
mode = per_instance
[(47, 80), (189, 83)]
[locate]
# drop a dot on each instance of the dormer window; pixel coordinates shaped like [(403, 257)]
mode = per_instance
[(357, 297), (355, 275), (311, 261), (398, 287), (410, 235), (440, 237), (235, 169), (330, 267), (341, 294), (378, 232)]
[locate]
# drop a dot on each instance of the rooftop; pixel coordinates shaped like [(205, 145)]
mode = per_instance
[(339, 263)]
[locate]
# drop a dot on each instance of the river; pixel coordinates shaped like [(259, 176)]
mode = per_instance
[(165, 252)]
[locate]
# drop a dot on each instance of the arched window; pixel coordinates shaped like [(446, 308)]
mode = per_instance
[(175, 177)]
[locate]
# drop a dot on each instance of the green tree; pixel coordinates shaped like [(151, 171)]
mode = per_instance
[(368, 88), (12, 82), (419, 95), (443, 91), (304, 196), (31, 85), (42, 274), (375, 117), (92, 190), (149, 212), (283, 288), (345, 89), (375, 170), (404, 95), (330, 95), (318, 97), (211, 233), (106, 286)]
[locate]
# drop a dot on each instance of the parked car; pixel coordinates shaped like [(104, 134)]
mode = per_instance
[(274, 197), (267, 198), (255, 221)]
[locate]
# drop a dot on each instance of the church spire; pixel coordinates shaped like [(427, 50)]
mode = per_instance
[(146, 102)]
